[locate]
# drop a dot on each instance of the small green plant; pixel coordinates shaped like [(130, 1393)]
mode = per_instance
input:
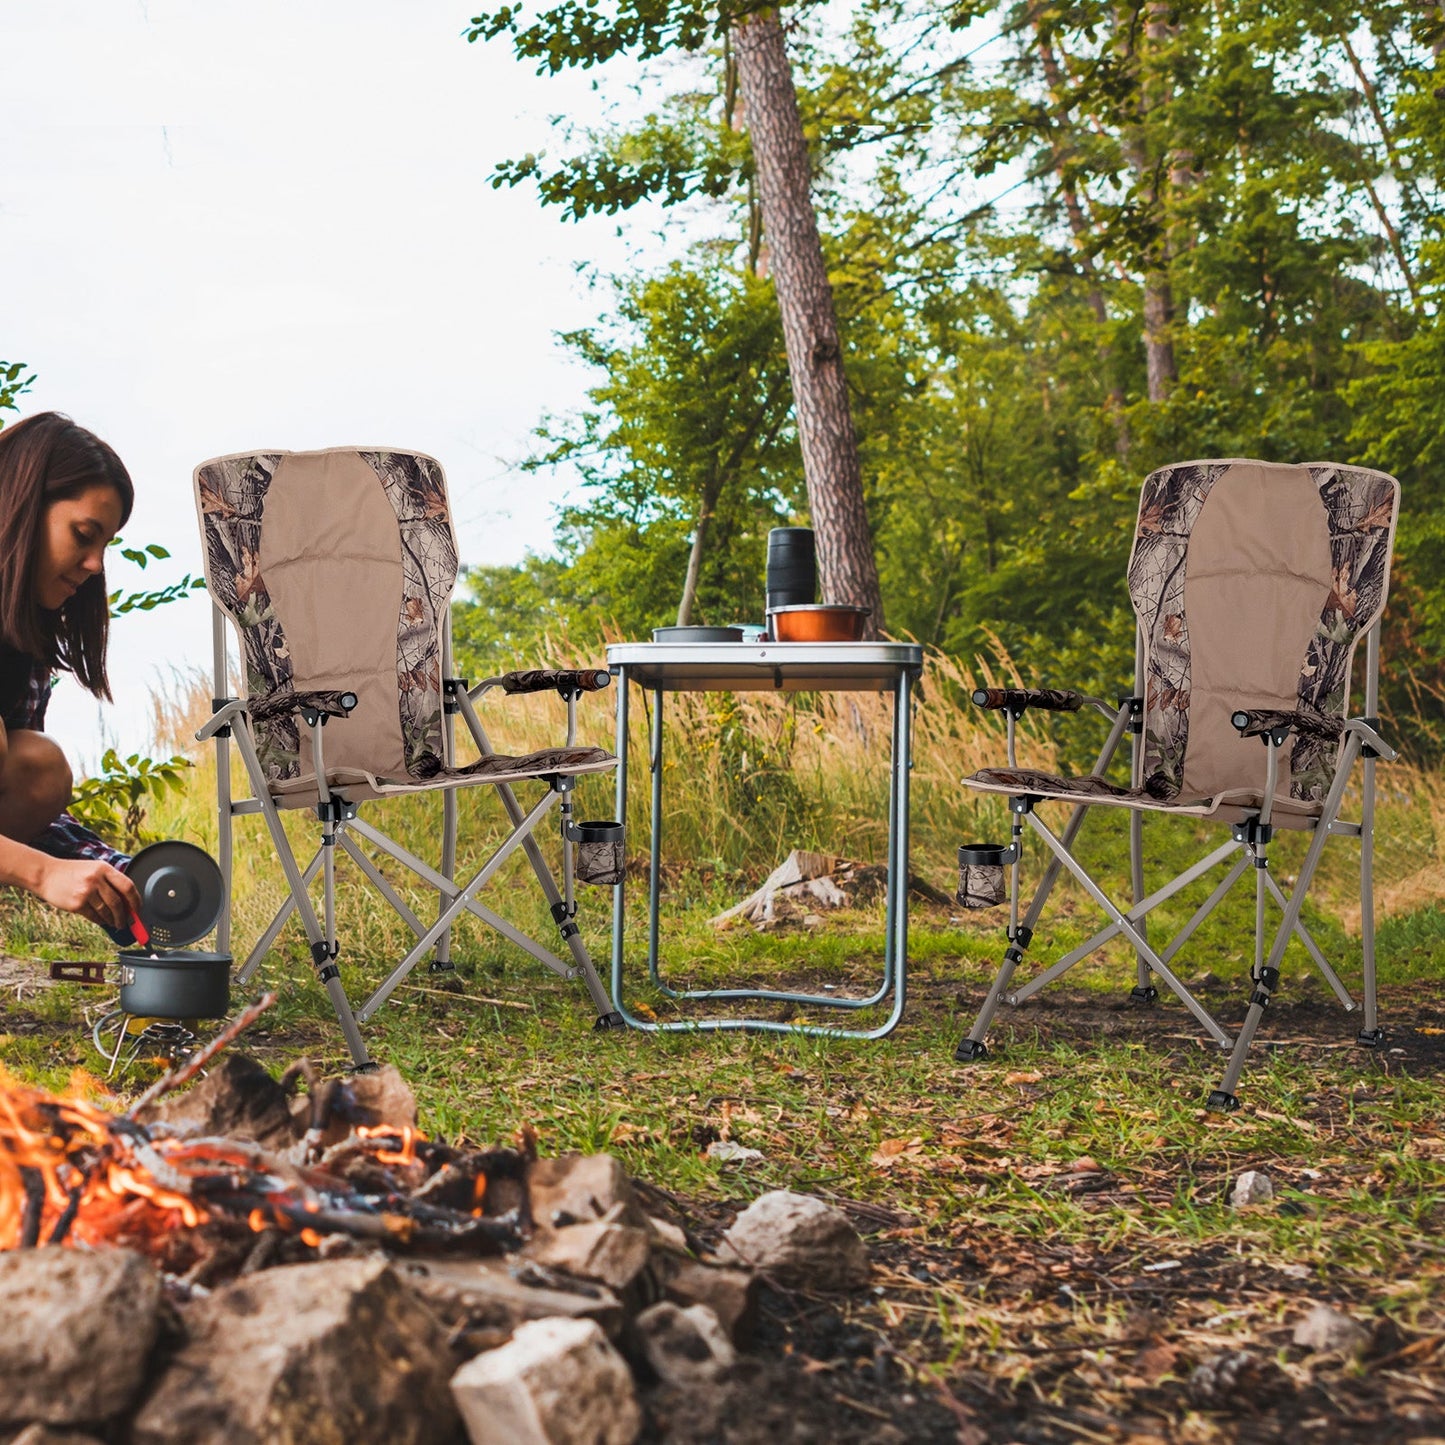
[(114, 803)]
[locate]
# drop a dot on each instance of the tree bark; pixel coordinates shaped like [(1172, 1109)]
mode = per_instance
[(810, 323)]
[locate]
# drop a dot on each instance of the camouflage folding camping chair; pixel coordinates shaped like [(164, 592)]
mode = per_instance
[(337, 568), (1251, 582)]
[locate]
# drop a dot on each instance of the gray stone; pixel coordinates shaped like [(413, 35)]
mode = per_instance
[(340, 1353), (731, 1294), (684, 1346), (1327, 1330), (799, 1240), (497, 1295), (580, 1188), (614, 1254), (1252, 1187), (556, 1382), (79, 1327)]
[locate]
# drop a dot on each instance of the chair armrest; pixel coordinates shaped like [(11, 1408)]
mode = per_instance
[(1276, 724), (280, 704), (562, 680), (1017, 699)]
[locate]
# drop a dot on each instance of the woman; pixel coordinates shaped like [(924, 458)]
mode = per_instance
[(63, 495)]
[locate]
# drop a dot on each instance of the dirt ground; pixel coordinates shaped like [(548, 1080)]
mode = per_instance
[(1090, 1343)]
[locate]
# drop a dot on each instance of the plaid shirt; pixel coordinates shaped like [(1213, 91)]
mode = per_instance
[(66, 837)]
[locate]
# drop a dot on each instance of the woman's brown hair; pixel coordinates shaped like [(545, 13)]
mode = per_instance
[(48, 458)]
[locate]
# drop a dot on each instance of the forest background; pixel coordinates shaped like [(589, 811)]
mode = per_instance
[(1205, 231)]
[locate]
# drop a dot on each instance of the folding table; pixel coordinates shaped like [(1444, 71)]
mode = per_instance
[(663, 667)]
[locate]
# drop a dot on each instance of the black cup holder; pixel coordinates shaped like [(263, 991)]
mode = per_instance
[(601, 857), (981, 882)]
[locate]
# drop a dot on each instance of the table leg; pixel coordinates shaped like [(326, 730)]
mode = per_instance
[(620, 890)]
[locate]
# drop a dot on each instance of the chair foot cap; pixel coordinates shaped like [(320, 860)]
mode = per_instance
[(606, 1022), (1144, 993), (1221, 1103), (971, 1051), (1370, 1038), (369, 1067), (441, 965)]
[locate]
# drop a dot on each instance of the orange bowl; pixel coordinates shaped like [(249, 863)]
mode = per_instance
[(817, 622)]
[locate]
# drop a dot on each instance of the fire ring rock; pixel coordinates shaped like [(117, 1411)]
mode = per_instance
[(265, 1352), (80, 1329), (799, 1240)]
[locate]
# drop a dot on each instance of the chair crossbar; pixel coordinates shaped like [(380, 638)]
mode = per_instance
[(1141, 944), (1136, 914)]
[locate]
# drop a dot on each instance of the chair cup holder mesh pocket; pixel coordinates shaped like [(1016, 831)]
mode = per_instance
[(981, 882), (601, 858)]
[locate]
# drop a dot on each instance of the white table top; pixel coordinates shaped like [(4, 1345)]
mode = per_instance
[(766, 666)]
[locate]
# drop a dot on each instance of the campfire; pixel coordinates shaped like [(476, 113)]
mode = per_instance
[(69, 1172), (211, 1264)]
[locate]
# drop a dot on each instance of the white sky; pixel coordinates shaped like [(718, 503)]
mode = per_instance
[(234, 224)]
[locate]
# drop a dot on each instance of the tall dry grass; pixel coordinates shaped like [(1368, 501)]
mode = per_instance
[(748, 777)]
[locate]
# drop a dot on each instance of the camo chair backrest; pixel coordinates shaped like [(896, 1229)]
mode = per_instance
[(337, 568), (1252, 582)]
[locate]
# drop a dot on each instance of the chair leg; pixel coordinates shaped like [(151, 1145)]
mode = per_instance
[(1266, 973), (1372, 1035), (322, 954), (442, 958), (1143, 991), (608, 1016)]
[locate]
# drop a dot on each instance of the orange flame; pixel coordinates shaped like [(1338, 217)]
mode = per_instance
[(405, 1155)]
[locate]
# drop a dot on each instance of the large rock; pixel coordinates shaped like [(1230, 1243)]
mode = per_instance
[(731, 1294), (237, 1099), (78, 1331), (491, 1297), (580, 1188), (557, 1382), (339, 1353), (799, 1240), (614, 1254), (684, 1346)]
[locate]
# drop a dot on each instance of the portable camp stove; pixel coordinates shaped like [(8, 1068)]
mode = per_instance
[(166, 988)]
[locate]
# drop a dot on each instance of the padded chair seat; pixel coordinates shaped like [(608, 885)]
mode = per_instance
[(1091, 789)]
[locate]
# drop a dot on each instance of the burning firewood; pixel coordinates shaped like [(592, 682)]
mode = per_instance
[(69, 1171)]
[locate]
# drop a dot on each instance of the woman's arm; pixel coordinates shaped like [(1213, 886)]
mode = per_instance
[(86, 886)]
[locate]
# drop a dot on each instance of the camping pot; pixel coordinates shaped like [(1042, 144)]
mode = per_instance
[(177, 983), (792, 576), (182, 894)]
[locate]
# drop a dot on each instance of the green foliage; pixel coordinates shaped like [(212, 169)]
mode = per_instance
[(1018, 215), (144, 601), (115, 802), (13, 383)]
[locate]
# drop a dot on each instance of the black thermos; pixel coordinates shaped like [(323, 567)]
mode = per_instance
[(792, 567)]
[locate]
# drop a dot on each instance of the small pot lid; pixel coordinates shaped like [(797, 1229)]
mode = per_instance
[(181, 890)]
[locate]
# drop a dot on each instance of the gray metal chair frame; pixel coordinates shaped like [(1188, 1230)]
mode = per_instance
[(1311, 805)]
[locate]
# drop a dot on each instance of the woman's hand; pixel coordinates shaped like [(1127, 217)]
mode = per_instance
[(92, 889)]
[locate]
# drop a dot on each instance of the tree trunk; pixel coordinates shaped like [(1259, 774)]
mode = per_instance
[(810, 323), (694, 567)]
